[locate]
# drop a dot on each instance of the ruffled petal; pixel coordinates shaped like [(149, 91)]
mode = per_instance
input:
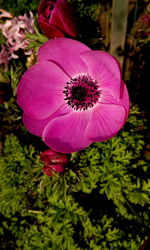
[(36, 126), (106, 120), (61, 46), (66, 134), (124, 99), (64, 52), (105, 69), (40, 91)]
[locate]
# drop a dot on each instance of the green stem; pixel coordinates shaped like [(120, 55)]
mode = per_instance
[(35, 211), (65, 188), (131, 208)]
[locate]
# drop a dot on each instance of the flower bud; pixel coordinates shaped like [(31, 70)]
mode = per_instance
[(55, 18), (54, 161)]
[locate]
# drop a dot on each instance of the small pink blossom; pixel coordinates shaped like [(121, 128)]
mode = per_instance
[(4, 56), (5, 14), (14, 31), (73, 96)]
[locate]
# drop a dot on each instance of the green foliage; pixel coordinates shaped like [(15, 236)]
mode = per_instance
[(19, 7), (117, 169), (101, 201), (2, 38), (15, 75), (87, 20), (86, 8), (35, 40)]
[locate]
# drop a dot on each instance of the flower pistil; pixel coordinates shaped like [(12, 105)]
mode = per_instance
[(82, 92)]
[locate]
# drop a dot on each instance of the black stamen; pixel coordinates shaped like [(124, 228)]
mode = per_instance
[(81, 92)]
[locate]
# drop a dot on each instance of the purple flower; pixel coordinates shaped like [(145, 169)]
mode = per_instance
[(55, 18), (73, 96)]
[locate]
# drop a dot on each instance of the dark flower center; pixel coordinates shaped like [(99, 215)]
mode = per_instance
[(81, 92)]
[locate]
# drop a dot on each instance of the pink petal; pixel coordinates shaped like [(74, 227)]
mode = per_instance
[(64, 52), (106, 120), (62, 46), (66, 134), (5, 14), (124, 99), (36, 126), (105, 69), (107, 98), (40, 91)]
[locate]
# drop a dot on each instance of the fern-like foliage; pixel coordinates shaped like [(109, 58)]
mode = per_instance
[(19, 7), (101, 201)]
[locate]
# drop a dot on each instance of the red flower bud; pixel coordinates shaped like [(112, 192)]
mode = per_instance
[(54, 161), (55, 18), (48, 170)]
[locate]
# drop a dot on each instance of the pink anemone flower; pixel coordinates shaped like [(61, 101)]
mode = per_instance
[(73, 96)]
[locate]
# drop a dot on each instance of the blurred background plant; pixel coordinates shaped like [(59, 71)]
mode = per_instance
[(101, 200)]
